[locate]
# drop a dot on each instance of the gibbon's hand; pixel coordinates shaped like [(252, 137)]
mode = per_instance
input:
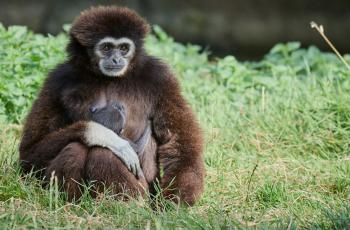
[(127, 154), (98, 135)]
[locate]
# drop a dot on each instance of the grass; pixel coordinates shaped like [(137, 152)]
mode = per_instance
[(277, 141)]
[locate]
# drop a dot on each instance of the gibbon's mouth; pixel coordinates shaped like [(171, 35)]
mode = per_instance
[(114, 68), (113, 71)]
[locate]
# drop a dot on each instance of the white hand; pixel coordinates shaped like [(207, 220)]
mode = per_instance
[(126, 153), (98, 135)]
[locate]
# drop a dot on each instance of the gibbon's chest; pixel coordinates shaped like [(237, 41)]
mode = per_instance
[(136, 103)]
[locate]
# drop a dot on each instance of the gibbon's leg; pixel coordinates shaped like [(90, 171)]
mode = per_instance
[(68, 167), (105, 170)]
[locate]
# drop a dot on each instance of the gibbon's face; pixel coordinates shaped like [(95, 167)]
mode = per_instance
[(114, 55)]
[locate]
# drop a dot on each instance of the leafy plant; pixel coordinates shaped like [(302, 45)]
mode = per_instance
[(25, 59)]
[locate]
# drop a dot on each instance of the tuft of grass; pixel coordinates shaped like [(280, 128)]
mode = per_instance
[(271, 194), (277, 141)]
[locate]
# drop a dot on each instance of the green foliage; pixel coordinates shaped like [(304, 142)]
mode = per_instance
[(277, 140), (25, 59)]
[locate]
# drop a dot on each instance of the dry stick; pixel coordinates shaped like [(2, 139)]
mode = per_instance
[(250, 180), (321, 32), (248, 189)]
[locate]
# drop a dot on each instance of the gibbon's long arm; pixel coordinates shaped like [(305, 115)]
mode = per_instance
[(182, 163), (46, 134), (89, 133)]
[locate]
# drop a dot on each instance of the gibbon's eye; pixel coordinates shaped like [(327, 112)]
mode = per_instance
[(124, 47), (107, 46)]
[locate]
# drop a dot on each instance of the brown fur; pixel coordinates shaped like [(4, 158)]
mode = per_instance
[(148, 90), (106, 170), (68, 166)]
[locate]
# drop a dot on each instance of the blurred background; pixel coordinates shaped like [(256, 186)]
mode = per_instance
[(244, 28)]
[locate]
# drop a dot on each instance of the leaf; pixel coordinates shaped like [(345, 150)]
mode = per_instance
[(17, 31)]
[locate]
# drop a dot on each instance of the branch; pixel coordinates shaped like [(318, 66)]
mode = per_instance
[(320, 30)]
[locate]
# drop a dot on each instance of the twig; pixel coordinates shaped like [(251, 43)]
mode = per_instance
[(320, 30), (250, 180)]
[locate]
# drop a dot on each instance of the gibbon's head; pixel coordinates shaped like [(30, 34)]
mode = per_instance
[(108, 39)]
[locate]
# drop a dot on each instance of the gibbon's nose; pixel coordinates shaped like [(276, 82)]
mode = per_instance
[(118, 61)]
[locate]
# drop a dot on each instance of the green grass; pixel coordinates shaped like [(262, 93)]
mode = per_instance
[(277, 141)]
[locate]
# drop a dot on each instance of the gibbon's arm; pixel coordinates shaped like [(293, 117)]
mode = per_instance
[(46, 134), (89, 133), (182, 161)]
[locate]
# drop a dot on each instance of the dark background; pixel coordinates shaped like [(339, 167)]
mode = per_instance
[(245, 28)]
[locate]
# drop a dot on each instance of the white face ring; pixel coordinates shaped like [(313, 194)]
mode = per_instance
[(116, 43)]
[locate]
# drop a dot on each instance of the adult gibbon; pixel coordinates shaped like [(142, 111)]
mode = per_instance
[(107, 63)]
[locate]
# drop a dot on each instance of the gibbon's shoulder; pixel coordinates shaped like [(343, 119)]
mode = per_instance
[(159, 73), (59, 78)]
